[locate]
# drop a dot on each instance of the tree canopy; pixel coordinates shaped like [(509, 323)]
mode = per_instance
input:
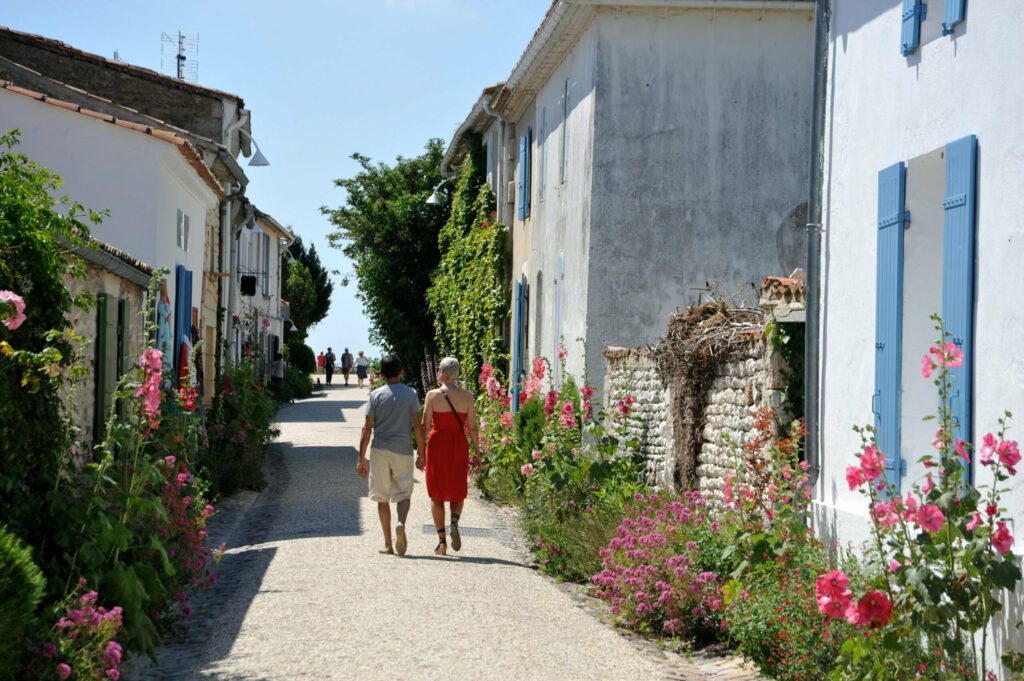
[(390, 233)]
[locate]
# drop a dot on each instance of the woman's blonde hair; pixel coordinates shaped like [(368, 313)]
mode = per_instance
[(450, 367)]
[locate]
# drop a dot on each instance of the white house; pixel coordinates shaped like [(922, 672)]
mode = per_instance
[(923, 169), (640, 150), (159, 193)]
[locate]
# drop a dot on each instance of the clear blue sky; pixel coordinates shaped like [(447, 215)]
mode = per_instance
[(324, 79)]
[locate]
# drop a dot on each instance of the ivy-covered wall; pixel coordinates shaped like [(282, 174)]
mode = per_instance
[(467, 296)]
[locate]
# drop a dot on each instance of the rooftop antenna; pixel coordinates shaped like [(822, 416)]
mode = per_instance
[(179, 56)]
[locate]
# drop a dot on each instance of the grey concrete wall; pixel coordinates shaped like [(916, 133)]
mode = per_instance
[(700, 151)]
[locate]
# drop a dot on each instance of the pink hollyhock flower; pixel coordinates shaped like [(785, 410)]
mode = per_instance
[(938, 439), (974, 521), (486, 371), (950, 355), (533, 387), (568, 417), (562, 352), (930, 518), (493, 387), (550, 403), (266, 323), (506, 420), (1002, 540), (989, 444), (928, 485), (991, 509), (526, 469), (871, 463), (885, 515), (587, 392), (909, 507), (539, 368), (727, 489), (872, 610), (835, 607), (961, 450), (152, 360), (1009, 455), (63, 670), (535, 454), (832, 584), (15, 304), (854, 478), (623, 408), (926, 366), (894, 565)]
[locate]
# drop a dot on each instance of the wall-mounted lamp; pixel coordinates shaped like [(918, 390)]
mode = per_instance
[(258, 159), (435, 199)]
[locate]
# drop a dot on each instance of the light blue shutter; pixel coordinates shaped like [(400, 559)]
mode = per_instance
[(892, 219), (955, 12), (182, 315), (523, 160), (529, 168), (519, 311), (958, 275), (910, 38)]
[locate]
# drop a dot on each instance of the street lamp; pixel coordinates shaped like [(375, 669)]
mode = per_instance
[(258, 159), (435, 199)]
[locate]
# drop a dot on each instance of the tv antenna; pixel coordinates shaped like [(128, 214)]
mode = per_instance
[(179, 56)]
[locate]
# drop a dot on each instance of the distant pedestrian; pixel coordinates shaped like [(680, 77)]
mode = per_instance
[(346, 364), (329, 360), (277, 375), (449, 415), (392, 416), (320, 362), (362, 368)]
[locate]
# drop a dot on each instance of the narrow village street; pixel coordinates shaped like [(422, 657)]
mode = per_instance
[(303, 594)]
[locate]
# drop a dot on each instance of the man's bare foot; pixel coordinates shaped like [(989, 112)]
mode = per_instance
[(387, 551)]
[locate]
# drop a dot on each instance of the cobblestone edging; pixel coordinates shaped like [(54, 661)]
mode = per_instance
[(702, 665)]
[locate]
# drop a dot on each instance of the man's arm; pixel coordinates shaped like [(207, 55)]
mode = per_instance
[(364, 441), (417, 429)]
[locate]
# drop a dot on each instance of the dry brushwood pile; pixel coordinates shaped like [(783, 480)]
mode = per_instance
[(699, 339)]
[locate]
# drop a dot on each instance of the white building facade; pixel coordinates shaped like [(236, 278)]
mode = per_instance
[(923, 165)]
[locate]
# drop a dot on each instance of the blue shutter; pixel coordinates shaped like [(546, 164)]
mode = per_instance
[(519, 307), (529, 168), (955, 12), (182, 315), (910, 37), (958, 275), (523, 160), (892, 219), (105, 368)]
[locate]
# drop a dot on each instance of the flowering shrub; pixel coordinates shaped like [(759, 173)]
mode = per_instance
[(945, 551), (662, 571), (81, 645)]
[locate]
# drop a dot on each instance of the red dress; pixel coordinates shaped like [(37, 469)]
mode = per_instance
[(447, 458)]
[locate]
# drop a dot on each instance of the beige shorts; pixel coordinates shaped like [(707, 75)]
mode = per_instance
[(390, 476)]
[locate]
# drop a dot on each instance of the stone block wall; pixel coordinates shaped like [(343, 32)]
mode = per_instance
[(634, 372)]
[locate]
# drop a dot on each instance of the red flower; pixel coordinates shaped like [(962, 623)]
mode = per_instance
[(854, 478), (872, 610), (1002, 540), (831, 584), (871, 463)]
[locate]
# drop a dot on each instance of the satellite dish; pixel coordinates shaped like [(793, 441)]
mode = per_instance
[(791, 240)]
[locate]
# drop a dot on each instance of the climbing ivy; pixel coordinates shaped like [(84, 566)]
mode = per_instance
[(467, 292)]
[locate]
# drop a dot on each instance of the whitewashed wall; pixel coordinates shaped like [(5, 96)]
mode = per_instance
[(884, 108)]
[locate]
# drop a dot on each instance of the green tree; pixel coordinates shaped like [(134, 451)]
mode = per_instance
[(300, 292), (313, 310), (390, 233)]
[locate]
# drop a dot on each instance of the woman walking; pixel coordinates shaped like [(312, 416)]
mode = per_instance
[(362, 368), (449, 415)]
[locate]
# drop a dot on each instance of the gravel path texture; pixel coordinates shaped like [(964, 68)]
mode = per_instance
[(303, 594)]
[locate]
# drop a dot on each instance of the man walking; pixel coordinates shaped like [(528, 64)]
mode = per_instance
[(346, 364), (329, 360), (392, 411)]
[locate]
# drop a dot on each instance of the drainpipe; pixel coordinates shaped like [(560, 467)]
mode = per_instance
[(227, 234), (812, 352)]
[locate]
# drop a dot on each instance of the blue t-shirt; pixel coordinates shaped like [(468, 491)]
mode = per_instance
[(392, 407)]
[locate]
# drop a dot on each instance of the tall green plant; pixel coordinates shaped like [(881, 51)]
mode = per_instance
[(21, 589), (467, 294)]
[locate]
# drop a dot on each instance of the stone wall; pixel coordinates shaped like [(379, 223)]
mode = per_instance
[(633, 372), (749, 379)]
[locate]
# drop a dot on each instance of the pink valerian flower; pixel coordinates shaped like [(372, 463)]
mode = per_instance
[(854, 478), (63, 670), (1002, 540), (568, 417), (112, 653), (562, 352), (550, 402), (989, 444), (927, 367), (15, 313), (506, 420), (526, 469), (1009, 455), (536, 454), (871, 464), (930, 518), (872, 610), (974, 522)]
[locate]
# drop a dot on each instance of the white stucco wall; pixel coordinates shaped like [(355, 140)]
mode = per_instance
[(884, 108), (701, 142), (141, 180)]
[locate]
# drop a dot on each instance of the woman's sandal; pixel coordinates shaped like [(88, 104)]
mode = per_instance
[(442, 545), (456, 537)]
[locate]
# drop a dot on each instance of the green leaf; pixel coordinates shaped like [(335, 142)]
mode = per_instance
[(1005, 574)]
